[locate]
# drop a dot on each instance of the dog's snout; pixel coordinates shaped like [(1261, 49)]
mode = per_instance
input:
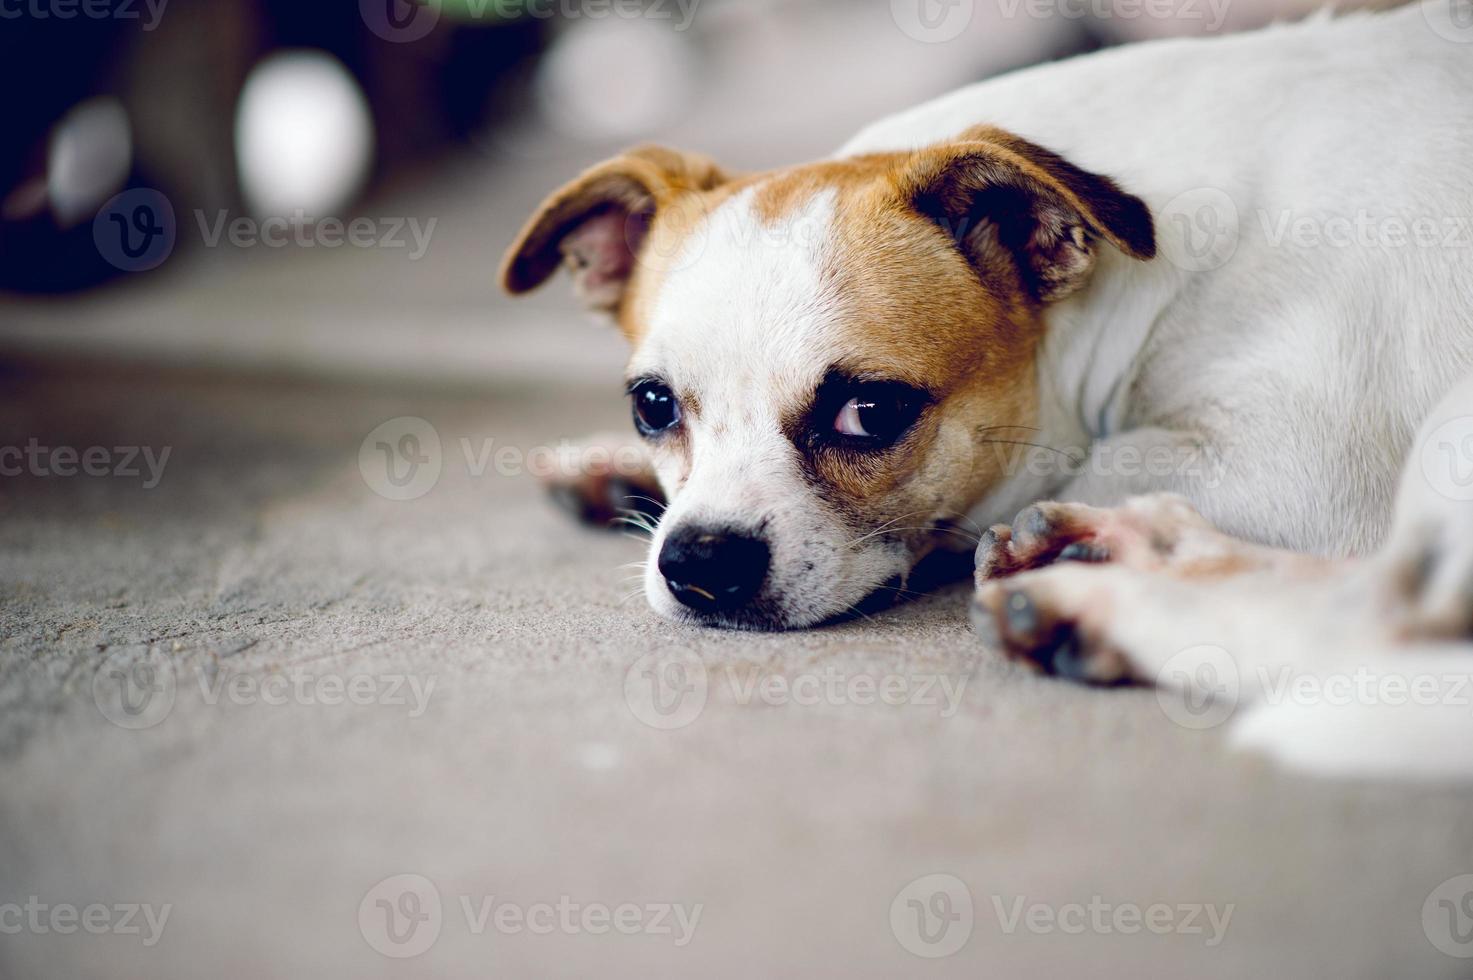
[(714, 571)]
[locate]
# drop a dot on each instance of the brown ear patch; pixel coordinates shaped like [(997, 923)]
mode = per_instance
[(598, 223), (1123, 219), (1001, 197)]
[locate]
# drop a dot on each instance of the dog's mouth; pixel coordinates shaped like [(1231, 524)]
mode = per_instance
[(937, 569)]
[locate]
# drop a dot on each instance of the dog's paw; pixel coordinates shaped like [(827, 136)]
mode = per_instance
[(1039, 536), (1145, 533), (599, 487), (601, 499), (1054, 621)]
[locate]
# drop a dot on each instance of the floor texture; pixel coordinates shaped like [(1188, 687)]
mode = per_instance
[(524, 769)]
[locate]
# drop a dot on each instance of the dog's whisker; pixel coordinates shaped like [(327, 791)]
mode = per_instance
[(883, 527), (900, 591), (854, 610), (634, 511), (888, 528), (635, 520), (965, 536), (958, 515), (971, 539), (1024, 443), (660, 504)]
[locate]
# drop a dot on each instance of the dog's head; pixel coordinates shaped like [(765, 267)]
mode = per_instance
[(823, 355)]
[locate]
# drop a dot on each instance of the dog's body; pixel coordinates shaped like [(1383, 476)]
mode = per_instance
[(1257, 310), (1306, 367)]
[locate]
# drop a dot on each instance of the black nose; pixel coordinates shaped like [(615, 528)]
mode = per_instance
[(713, 571)]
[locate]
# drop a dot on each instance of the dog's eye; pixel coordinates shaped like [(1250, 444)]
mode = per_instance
[(655, 407), (878, 415)]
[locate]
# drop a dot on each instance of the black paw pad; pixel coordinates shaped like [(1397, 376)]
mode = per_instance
[(1085, 551), (1033, 523)]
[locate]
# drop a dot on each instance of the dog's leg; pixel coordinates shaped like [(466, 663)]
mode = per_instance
[(609, 481), (1298, 655), (1327, 667), (1135, 586), (1149, 533)]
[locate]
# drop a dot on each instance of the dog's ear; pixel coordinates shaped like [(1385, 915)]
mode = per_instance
[(598, 224), (1004, 199)]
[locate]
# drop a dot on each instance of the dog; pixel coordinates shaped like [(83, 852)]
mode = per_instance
[(1210, 301)]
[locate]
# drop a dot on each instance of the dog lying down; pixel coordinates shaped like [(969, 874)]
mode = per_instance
[(1211, 299)]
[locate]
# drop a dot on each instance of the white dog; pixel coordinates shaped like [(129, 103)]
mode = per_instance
[(1218, 286)]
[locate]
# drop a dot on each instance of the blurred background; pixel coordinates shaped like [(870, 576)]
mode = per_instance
[(435, 125)]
